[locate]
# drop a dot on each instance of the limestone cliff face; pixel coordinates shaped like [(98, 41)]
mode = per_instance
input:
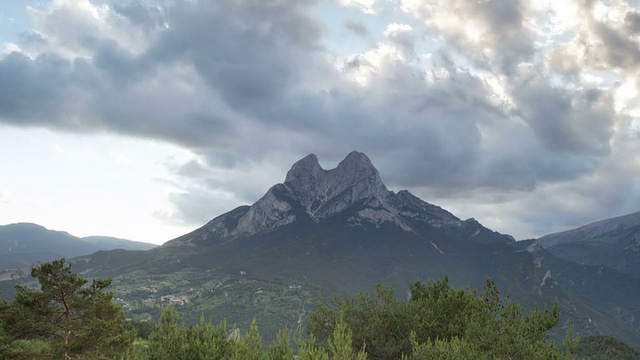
[(326, 192), (313, 192), (321, 193)]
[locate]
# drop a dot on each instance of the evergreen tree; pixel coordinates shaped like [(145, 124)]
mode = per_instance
[(4, 338), (439, 322), (73, 318), (341, 344), (379, 320), (308, 349), (601, 347), (166, 341), (174, 341), (249, 347), (281, 348)]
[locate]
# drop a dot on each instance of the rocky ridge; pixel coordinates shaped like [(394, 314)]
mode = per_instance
[(614, 243), (311, 192)]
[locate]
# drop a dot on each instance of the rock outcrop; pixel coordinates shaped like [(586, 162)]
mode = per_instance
[(318, 194)]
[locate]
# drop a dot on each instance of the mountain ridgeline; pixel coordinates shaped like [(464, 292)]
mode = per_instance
[(613, 243), (353, 192), (323, 232), (24, 244)]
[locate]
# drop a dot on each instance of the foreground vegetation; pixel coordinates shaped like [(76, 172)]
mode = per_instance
[(70, 318), (605, 348)]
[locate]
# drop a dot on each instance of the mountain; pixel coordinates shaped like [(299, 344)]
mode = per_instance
[(325, 232), (311, 194), (111, 243), (600, 262), (613, 243), (23, 244)]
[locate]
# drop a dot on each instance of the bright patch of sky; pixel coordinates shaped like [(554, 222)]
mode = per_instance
[(81, 184), (89, 185), (14, 19), (354, 30)]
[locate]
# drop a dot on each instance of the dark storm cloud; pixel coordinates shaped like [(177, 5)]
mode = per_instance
[(573, 121), (260, 81), (632, 22), (143, 15), (251, 57), (512, 41), (32, 91), (356, 27), (250, 82), (117, 64), (601, 44), (616, 49), (237, 58), (252, 52), (496, 24)]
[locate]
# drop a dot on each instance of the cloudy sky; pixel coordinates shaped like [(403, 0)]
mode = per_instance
[(145, 119)]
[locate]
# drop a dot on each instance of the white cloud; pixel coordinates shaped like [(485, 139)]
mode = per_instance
[(121, 159), (73, 28), (362, 67), (397, 29), (367, 6), (489, 30), (401, 35), (11, 47)]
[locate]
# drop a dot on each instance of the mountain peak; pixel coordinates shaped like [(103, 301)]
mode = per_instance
[(306, 167), (354, 190), (315, 187), (356, 159), (353, 166), (356, 167)]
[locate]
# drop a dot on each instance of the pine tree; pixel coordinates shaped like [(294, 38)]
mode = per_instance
[(341, 344), (281, 348), (438, 322), (250, 346), (75, 318)]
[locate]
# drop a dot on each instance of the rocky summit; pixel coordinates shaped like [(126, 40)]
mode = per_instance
[(310, 192)]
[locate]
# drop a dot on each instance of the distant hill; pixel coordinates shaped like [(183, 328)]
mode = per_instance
[(614, 243), (23, 244), (111, 243)]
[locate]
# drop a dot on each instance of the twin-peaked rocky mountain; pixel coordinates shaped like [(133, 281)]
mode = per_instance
[(352, 193), (325, 232)]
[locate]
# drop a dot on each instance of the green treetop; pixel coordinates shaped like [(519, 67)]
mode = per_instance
[(67, 314), (440, 322)]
